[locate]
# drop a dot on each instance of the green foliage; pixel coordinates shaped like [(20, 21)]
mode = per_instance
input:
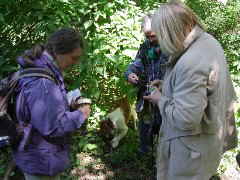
[(112, 34), (111, 30), (222, 21), (113, 46)]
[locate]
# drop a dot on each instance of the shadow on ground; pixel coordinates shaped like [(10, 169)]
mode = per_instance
[(101, 163)]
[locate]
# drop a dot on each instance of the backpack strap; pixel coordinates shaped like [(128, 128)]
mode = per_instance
[(36, 72), (29, 72)]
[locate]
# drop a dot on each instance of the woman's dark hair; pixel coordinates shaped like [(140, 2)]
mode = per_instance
[(60, 42)]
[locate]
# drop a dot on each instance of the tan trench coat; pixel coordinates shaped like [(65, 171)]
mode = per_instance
[(196, 107)]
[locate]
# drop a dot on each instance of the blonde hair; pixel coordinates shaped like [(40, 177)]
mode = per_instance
[(171, 23)]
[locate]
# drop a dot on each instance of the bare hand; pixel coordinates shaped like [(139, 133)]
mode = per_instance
[(86, 110), (133, 78), (154, 97), (157, 83)]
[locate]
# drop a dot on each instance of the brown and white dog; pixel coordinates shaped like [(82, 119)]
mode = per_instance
[(115, 125)]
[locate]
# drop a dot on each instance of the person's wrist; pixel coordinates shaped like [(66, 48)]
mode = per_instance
[(84, 114)]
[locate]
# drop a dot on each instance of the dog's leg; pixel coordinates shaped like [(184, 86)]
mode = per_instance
[(119, 123), (134, 116), (11, 166), (122, 133), (135, 119)]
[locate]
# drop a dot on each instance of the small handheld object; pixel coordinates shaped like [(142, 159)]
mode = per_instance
[(80, 102), (73, 95), (76, 100)]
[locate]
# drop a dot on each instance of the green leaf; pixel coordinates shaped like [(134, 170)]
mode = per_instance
[(87, 24), (90, 147), (2, 20)]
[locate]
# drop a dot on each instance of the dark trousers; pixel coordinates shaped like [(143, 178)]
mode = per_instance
[(149, 124), (145, 137)]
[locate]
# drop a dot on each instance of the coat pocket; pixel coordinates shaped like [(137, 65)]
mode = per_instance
[(184, 160)]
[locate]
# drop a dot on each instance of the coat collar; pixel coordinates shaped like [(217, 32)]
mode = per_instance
[(50, 58), (192, 36), (195, 33)]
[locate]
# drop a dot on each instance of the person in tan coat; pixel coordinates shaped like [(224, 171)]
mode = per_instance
[(196, 101)]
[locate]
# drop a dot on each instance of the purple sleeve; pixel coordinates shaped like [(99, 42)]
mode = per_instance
[(135, 67), (49, 112)]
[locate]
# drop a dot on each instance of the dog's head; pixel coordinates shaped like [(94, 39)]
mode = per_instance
[(107, 128)]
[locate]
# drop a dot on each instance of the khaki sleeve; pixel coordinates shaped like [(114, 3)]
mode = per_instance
[(186, 107)]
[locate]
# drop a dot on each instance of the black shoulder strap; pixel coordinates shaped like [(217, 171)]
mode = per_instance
[(37, 72), (33, 72), (29, 72), (44, 73)]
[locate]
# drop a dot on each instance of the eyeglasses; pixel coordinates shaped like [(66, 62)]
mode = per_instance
[(150, 36)]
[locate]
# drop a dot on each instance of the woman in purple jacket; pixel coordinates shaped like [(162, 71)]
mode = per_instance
[(42, 107)]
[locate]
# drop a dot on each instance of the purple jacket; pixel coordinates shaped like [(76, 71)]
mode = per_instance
[(43, 104)]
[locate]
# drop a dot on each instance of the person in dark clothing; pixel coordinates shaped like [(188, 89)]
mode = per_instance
[(238, 159), (42, 108), (147, 67)]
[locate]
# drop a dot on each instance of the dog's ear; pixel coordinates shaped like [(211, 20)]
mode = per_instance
[(110, 123), (102, 124), (106, 125), (106, 129)]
